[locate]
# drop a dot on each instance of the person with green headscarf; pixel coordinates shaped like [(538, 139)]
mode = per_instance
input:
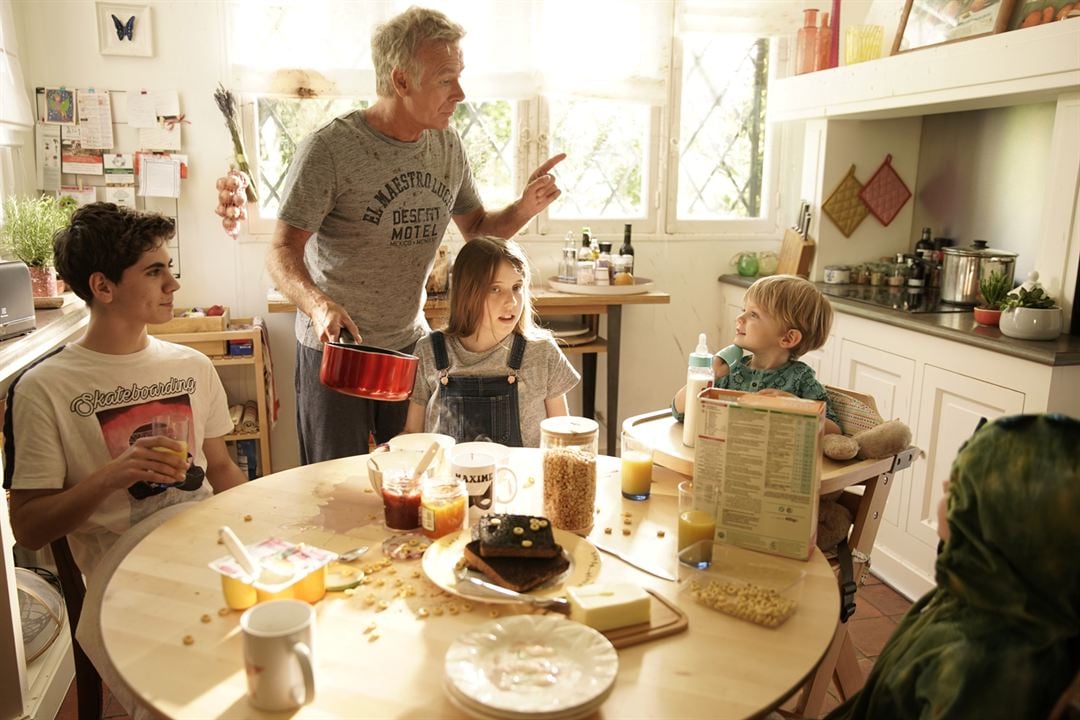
[(999, 637)]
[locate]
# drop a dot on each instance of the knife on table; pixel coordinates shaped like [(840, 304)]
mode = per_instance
[(655, 572)]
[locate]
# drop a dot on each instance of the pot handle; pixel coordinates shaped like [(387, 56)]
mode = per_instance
[(344, 336)]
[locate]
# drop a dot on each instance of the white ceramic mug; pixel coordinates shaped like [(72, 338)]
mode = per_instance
[(279, 638), (479, 472), (420, 442)]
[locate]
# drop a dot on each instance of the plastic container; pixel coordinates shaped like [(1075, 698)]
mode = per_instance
[(569, 446), (303, 566), (699, 375), (764, 594)]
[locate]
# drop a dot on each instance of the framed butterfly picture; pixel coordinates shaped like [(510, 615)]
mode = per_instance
[(124, 29)]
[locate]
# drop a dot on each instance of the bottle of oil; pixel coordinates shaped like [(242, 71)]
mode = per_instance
[(627, 248)]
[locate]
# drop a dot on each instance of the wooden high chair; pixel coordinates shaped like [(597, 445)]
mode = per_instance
[(866, 484)]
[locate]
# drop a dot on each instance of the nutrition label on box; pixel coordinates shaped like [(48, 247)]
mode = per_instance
[(757, 470)]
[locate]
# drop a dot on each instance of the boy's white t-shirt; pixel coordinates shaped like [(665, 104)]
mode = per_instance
[(80, 409)]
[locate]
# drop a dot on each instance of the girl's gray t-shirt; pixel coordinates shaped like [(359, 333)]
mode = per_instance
[(545, 373), (378, 208)]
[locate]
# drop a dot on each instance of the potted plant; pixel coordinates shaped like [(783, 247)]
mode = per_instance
[(27, 235), (1028, 313), (994, 289)]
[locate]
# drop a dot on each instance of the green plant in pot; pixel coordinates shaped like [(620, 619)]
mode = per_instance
[(27, 235), (1029, 313), (994, 289)]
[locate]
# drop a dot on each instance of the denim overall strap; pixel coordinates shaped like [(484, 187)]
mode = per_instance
[(480, 407)]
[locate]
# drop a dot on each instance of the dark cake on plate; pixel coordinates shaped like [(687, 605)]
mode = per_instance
[(520, 536), (520, 574)]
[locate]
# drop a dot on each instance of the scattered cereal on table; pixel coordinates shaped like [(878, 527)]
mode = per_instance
[(369, 628), (205, 618), (188, 640), (372, 637), (349, 592), (368, 490), (422, 612), (493, 613), (223, 611), (659, 533), (416, 573), (627, 521), (382, 606), (247, 518), (626, 531), (380, 583), (467, 607), (438, 610), (607, 531)]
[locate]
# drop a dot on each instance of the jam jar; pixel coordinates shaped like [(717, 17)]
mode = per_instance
[(569, 446)]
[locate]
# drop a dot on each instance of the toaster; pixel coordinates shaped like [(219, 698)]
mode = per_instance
[(16, 300)]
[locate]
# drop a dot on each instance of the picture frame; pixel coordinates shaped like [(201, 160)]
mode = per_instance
[(925, 23), (124, 29), (1029, 13)]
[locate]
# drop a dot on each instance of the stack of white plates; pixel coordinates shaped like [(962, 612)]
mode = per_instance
[(530, 667)]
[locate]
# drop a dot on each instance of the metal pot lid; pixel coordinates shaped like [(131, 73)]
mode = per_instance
[(978, 249)]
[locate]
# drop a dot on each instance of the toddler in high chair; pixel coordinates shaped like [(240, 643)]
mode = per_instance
[(783, 318), (492, 374)]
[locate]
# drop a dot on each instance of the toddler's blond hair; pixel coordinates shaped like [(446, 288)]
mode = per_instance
[(796, 304)]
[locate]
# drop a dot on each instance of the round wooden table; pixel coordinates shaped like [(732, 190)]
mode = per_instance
[(720, 667)]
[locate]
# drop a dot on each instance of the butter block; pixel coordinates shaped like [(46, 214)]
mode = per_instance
[(606, 606)]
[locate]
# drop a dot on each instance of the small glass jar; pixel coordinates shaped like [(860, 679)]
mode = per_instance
[(585, 273), (878, 273), (569, 446), (442, 506), (624, 270)]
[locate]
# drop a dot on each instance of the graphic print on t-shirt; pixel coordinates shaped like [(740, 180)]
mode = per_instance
[(122, 426), (411, 225)]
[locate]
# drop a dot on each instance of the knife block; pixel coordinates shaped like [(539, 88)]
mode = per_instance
[(796, 254)]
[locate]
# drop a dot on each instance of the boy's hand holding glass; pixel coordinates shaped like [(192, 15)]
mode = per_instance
[(171, 433)]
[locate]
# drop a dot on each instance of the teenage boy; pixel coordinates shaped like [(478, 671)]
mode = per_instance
[(88, 451)]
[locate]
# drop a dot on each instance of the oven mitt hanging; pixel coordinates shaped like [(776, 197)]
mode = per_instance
[(844, 207), (885, 193)]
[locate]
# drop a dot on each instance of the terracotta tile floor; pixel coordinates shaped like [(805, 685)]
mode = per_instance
[(878, 609)]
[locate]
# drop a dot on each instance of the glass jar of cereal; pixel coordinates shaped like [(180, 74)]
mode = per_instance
[(569, 447)]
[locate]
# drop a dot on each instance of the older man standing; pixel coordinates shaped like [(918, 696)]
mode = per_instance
[(366, 204)]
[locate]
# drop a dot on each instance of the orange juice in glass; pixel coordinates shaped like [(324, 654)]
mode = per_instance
[(174, 427), (637, 465), (697, 530)]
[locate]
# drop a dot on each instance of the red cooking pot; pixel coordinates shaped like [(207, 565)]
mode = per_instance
[(365, 371)]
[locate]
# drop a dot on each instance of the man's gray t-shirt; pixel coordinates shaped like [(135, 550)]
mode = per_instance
[(378, 208), (545, 373)]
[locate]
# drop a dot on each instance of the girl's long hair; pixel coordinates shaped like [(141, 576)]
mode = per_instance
[(474, 271)]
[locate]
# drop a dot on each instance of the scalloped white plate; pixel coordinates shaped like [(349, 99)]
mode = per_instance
[(641, 285), (531, 664), (440, 561)]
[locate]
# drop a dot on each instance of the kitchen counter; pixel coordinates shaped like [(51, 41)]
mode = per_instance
[(956, 326), (54, 327)]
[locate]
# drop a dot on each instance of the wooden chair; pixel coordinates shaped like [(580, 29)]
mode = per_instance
[(88, 685)]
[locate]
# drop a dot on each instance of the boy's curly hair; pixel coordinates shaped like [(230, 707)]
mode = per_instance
[(796, 304), (105, 238)]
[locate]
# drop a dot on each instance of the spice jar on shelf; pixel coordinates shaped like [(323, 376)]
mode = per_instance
[(569, 446)]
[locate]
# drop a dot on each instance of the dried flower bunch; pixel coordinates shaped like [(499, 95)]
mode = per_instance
[(226, 102)]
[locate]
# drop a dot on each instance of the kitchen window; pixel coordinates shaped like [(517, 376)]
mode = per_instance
[(685, 150)]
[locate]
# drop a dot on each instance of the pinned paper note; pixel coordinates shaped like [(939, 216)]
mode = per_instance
[(119, 169), (159, 176), (140, 109), (81, 195), (95, 119), (47, 138), (160, 138), (79, 163), (59, 106), (121, 195)]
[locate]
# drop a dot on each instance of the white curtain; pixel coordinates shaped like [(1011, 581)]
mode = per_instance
[(16, 117), (513, 48)]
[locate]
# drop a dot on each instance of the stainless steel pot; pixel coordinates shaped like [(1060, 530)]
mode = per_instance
[(963, 268)]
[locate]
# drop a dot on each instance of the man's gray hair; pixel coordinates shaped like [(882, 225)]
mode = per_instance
[(396, 42)]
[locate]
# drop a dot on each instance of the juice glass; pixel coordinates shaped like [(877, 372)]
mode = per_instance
[(174, 427), (637, 466), (697, 530)]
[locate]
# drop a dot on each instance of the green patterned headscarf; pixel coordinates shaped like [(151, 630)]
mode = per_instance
[(999, 637)]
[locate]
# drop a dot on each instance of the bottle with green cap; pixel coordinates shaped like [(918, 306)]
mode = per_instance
[(699, 375)]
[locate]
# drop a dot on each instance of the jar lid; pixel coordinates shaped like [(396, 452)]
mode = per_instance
[(835, 268), (570, 428)]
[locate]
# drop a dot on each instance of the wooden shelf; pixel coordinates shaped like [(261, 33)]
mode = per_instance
[(253, 361), (1013, 68)]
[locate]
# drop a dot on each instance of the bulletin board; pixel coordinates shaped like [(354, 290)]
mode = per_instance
[(120, 146)]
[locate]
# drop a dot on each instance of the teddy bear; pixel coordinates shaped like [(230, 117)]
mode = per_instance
[(882, 440)]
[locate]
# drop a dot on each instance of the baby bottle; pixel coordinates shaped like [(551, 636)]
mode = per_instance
[(699, 375)]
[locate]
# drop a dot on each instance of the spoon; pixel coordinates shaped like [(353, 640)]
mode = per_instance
[(425, 461), (350, 555), (250, 564)]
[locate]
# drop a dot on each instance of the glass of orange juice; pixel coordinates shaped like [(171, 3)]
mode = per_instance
[(174, 427), (697, 530), (637, 466)]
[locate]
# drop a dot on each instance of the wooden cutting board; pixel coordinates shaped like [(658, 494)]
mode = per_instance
[(796, 254), (666, 619)]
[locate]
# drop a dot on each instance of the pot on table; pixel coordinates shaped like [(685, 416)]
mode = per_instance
[(367, 371), (963, 268)]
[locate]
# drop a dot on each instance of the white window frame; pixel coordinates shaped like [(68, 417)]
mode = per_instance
[(766, 226)]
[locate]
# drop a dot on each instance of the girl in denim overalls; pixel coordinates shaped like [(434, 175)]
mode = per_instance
[(491, 374)]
